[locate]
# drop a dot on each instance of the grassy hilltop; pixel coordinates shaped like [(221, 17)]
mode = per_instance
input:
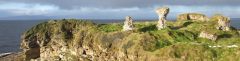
[(83, 40)]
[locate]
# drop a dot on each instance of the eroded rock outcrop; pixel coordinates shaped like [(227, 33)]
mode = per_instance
[(223, 23), (162, 15), (192, 16), (208, 35), (128, 24)]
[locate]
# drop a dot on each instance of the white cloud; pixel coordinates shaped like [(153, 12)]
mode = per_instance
[(101, 13), (16, 9), (27, 9), (231, 11), (89, 9)]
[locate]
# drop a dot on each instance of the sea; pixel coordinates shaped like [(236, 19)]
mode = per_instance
[(11, 31)]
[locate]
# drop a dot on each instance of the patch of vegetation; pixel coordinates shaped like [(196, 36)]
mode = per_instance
[(148, 28), (110, 27), (64, 29)]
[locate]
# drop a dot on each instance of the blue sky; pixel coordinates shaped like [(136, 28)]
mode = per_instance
[(115, 9)]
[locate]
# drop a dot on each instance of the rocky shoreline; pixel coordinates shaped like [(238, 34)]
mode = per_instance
[(11, 56)]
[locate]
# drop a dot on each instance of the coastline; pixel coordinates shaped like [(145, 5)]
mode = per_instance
[(11, 54), (5, 54)]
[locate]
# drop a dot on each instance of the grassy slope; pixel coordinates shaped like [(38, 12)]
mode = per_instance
[(179, 41)]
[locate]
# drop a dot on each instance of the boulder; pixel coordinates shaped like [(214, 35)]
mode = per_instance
[(223, 23), (128, 24), (207, 35), (162, 14), (192, 16)]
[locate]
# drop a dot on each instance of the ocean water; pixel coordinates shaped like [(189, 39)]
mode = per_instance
[(10, 32)]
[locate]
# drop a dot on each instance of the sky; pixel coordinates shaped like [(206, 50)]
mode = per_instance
[(115, 9)]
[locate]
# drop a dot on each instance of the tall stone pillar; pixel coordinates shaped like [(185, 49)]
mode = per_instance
[(162, 14), (128, 24)]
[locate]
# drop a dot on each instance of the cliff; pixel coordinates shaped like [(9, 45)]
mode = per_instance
[(81, 40)]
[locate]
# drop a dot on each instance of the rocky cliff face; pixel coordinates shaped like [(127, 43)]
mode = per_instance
[(193, 17)]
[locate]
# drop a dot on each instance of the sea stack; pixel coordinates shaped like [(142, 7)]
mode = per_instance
[(223, 23), (128, 24), (162, 14)]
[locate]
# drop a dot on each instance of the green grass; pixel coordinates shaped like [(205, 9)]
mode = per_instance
[(110, 27), (184, 31), (178, 41)]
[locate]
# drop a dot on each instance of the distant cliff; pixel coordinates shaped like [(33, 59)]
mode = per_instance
[(80, 40)]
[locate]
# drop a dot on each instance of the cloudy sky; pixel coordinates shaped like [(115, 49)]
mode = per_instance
[(115, 9)]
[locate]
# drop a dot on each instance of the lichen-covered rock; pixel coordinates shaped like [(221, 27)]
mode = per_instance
[(223, 23), (128, 24), (162, 15), (207, 35), (192, 16)]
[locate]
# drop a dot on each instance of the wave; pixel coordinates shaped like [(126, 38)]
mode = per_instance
[(5, 54)]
